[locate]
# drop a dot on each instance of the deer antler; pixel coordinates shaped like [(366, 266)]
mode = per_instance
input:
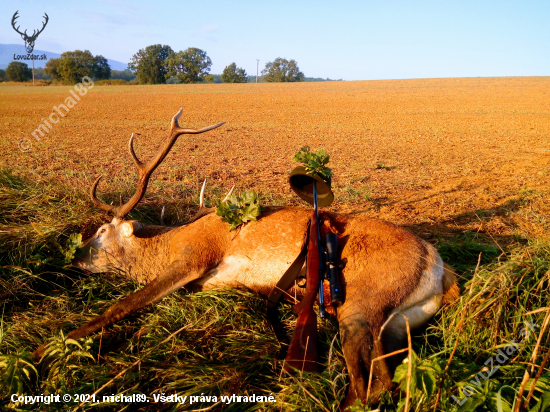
[(35, 35), (146, 169), (15, 16), (201, 196), (202, 209), (228, 194)]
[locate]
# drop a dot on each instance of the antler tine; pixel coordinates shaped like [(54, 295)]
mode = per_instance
[(35, 33), (137, 162), (46, 22), (43, 26), (15, 17), (178, 129), (229, 194), (201, 199), (176, 118), (162, 217), (99, 203), (146, 169), (175, 132)]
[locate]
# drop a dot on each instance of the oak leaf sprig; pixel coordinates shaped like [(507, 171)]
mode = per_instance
[(315, 163), (73, 244), (237, 210)]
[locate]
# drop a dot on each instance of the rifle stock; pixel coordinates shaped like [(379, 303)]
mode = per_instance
[(302, 351)]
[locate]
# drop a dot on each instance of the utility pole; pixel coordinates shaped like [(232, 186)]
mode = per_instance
[(257, 68)]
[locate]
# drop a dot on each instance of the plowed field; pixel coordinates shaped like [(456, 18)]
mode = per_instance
[(426, 152)]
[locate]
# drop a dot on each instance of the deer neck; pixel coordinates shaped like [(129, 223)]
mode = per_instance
[(149, 255)]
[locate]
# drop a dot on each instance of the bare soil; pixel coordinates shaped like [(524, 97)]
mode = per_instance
[(439, 154)]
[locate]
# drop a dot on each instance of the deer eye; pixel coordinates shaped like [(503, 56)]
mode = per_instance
[(102, 231)]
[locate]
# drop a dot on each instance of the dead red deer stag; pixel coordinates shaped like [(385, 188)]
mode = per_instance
[(389, 272)]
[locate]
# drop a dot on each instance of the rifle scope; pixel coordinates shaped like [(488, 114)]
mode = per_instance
[(336, 296)]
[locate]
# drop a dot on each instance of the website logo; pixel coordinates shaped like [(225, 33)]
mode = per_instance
[(29, 40)]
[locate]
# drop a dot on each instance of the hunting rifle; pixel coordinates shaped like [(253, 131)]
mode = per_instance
[(321, 263)]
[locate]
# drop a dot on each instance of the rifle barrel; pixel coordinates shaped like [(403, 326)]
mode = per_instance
[(322, 312)]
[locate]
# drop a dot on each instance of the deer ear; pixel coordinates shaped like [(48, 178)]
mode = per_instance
[(128, 228)]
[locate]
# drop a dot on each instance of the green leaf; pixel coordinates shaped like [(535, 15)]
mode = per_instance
[(543, 404), (502, 404), (401, 371), (428, 382), (62, 358), (472, 403), (240, 209), (314, 163), (17, 372), (249, 197), (73, 244), (400, 374)]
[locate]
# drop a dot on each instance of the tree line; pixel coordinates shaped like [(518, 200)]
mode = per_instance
[(154, 64), (159, 63), (70, 67)]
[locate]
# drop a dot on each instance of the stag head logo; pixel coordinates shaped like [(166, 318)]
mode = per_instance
[(29, 40)]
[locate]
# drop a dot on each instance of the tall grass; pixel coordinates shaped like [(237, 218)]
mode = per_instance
[(225, 345)]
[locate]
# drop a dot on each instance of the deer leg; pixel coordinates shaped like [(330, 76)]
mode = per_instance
[(394, 331), (177, 275), (360, 345), (394, 338)]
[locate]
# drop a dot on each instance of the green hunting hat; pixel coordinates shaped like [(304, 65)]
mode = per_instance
[(302, 183)]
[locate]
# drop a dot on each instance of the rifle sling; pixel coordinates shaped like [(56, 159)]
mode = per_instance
[(291, 273)]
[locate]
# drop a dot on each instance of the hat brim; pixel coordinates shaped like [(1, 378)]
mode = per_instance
[(301, 182)]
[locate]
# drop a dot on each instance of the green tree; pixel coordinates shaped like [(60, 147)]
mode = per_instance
[(190, 66), (52, 68), (282, 70), (234, 74), (150, 65), (18, 72), (74, 65), (2, 75), (102, 70)]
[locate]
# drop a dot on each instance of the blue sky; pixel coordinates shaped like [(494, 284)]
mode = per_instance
[(352, 40)]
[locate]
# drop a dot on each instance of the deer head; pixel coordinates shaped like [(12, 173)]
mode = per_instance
[(123, 243), (29, 40)]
